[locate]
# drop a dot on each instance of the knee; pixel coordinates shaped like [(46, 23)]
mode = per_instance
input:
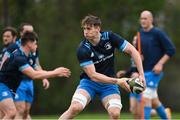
[(26, 112), (114, 113), (21, 109), (76, 108)]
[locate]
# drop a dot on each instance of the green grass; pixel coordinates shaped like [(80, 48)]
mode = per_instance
[(97, 116)]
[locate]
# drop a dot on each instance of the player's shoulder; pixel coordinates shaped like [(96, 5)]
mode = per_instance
[(12, 47), (18, 54), (156, 29), (84, 47)]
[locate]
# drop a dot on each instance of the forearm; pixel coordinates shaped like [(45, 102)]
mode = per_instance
[(138, 61), (41, 74), (98, 77), (164, 59)]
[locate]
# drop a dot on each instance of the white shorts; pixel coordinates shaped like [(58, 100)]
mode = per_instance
[(150, 93)]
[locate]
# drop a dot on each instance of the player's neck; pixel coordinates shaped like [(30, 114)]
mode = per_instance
[(96, 40), (25, 50), (148, 28)]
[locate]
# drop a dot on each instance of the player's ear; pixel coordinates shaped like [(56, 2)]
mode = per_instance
[(98, 28)]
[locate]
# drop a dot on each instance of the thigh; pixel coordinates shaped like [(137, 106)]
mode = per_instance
[(133, 103), (112, 101), (106, 90), (28, 106), (29, 93), (20, 105), (82, 92), (20, 95), (156, 102), (5, 92), (7, 105)]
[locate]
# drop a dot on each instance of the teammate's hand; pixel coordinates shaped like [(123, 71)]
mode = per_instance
[(120, 73), (46, 83), (63, 72), (122, 82), (158, 68)]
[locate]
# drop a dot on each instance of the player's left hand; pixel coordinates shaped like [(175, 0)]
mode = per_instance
[(46, 83), (142, 78), (122, 82), (158, 68)]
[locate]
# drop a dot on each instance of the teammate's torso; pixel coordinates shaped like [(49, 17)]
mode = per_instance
[(10, 73), (152, 48)]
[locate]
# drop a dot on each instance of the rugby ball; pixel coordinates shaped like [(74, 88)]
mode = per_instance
[(136, 85)]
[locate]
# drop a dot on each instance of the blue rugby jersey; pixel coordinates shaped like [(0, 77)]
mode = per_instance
[(101, 55), (10, 73), (155, 44), (31, 58)]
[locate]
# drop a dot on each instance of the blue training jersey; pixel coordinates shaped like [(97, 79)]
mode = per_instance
[(31, 58), (101, 55), (10, 73), (155, 44)]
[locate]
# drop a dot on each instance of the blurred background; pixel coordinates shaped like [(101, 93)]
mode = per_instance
[(57, 23)]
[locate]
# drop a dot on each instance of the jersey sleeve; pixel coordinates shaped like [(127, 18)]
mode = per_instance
[(84, 57), (119, 42), (167, 44), (21, 63)]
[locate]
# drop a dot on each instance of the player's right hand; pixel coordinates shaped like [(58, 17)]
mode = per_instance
[(63, 72), (122, 82)]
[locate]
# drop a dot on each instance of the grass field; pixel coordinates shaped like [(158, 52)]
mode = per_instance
[(97, 116)]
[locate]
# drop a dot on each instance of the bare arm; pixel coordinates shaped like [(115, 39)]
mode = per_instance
[(98, 77), (137, 59), (41, 74), (45, 81)]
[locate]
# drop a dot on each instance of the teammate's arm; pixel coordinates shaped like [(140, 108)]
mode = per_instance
[(42, 74), (45, 81), (159, 66)]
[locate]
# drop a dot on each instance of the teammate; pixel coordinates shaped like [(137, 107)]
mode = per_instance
[(156, 48), (96, 57), (25, 92), (13, 68), (9, 35)]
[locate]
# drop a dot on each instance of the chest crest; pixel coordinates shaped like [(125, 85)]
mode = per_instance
[(107, 46)]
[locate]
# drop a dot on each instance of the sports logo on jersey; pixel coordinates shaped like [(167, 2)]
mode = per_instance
[(100, 56), (30, 61), (108, 46), (4, 94), (16, 96), (92, 54)]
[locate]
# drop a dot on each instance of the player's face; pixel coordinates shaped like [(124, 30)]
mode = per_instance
[(8, 38), (91, 32), (145, 20), (33, 46), (27, 28)]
